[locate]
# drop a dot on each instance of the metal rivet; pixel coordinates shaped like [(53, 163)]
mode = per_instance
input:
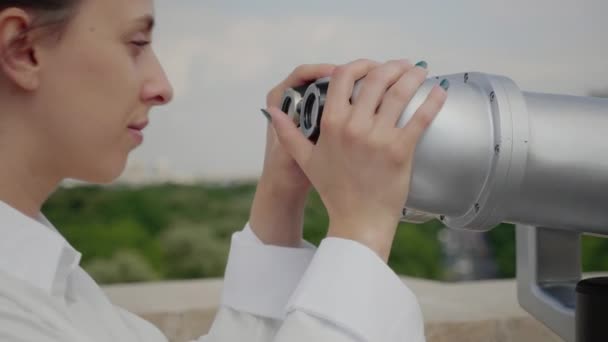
[(466, 77)]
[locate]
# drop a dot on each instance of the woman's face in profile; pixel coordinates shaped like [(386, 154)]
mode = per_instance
[(98, 80)]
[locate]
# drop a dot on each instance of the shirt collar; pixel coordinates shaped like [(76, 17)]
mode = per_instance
[(33, 251)]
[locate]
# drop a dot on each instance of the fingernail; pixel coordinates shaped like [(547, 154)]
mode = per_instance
[(445, 84), (422, 64), (267, 115)]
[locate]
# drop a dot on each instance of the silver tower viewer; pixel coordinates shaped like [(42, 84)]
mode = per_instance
[(496, 154)]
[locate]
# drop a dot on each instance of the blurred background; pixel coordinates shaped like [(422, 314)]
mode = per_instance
[(190, 186)]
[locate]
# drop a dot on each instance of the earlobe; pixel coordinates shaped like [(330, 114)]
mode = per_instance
[(17, 54)]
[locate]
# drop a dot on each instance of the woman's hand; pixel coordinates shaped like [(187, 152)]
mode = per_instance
[(361, 165), (277, 213)]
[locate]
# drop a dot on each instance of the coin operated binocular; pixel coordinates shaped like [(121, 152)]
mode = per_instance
[(498, 154)]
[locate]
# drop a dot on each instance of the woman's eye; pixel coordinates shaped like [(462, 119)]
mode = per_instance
[(140, 43)]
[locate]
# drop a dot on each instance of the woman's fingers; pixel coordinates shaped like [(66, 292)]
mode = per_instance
[(301, 75), (390, 86), (410, 135), (398, 97), (290, 137), (337, 105), (363, 176), (307, 73), (373, 89)]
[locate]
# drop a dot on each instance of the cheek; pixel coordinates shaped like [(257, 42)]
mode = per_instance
[(90, 111), (109, 80), (100, 85)]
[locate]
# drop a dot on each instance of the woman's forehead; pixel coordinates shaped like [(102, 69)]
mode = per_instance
[(123, 12)]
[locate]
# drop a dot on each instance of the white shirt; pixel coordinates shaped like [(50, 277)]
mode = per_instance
[(340, 292)]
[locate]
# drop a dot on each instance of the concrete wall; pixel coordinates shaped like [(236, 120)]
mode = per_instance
[(477, 311)]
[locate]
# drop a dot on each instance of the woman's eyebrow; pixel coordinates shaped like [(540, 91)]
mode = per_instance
[(146, 21)]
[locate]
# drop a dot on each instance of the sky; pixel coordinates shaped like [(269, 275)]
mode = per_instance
[(223, 56)]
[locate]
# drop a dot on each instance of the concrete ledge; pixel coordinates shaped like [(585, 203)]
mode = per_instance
[(474, 311)]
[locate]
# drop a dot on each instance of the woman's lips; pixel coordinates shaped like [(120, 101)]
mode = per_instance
[(139, 125), (137, 134), (136, 131)]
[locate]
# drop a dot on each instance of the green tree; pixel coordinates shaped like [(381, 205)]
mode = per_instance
[(194, 251), (126, 266)]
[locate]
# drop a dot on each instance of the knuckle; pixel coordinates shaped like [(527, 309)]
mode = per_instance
[(401, 64), (401, 91), (300, 69), (273, 96), (376, 76), (385, 73), (419, 75), (406, 63), (377, 142), (363, 61), (329, 123), (405, 89), (353, 132), (346, 71), (424, 118), (396, 155), (341, 71)]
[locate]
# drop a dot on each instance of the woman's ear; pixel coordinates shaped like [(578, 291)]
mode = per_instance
[(17, 53)]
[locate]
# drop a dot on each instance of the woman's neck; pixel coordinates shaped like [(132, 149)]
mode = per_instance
[(25, 191), (26, 179)]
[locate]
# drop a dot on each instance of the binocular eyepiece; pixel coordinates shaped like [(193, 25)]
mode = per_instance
[(305, 104)]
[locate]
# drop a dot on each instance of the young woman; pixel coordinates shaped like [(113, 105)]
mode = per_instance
[(77, 81)]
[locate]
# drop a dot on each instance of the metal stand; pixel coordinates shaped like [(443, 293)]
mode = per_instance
[(548, 269)]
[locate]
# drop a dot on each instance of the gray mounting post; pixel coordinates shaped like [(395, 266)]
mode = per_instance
[(548, 269)]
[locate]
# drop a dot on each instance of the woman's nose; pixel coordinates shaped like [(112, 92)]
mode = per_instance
[(158, 90), (162, 95)]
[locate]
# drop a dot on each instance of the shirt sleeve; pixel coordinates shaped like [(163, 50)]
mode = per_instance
[(345, 294), (349, 291), (259, 279)]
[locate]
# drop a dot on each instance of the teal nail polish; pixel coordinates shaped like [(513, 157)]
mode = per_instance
[(445, 84), (422, 64), (267, 115)]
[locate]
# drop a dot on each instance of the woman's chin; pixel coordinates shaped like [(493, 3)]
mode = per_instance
[(103, 175)]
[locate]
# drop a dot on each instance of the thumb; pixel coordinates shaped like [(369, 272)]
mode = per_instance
[(290, 137)]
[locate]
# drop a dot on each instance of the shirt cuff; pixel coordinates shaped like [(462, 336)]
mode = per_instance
[(350, 286), (248, 235), (259, 278)]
